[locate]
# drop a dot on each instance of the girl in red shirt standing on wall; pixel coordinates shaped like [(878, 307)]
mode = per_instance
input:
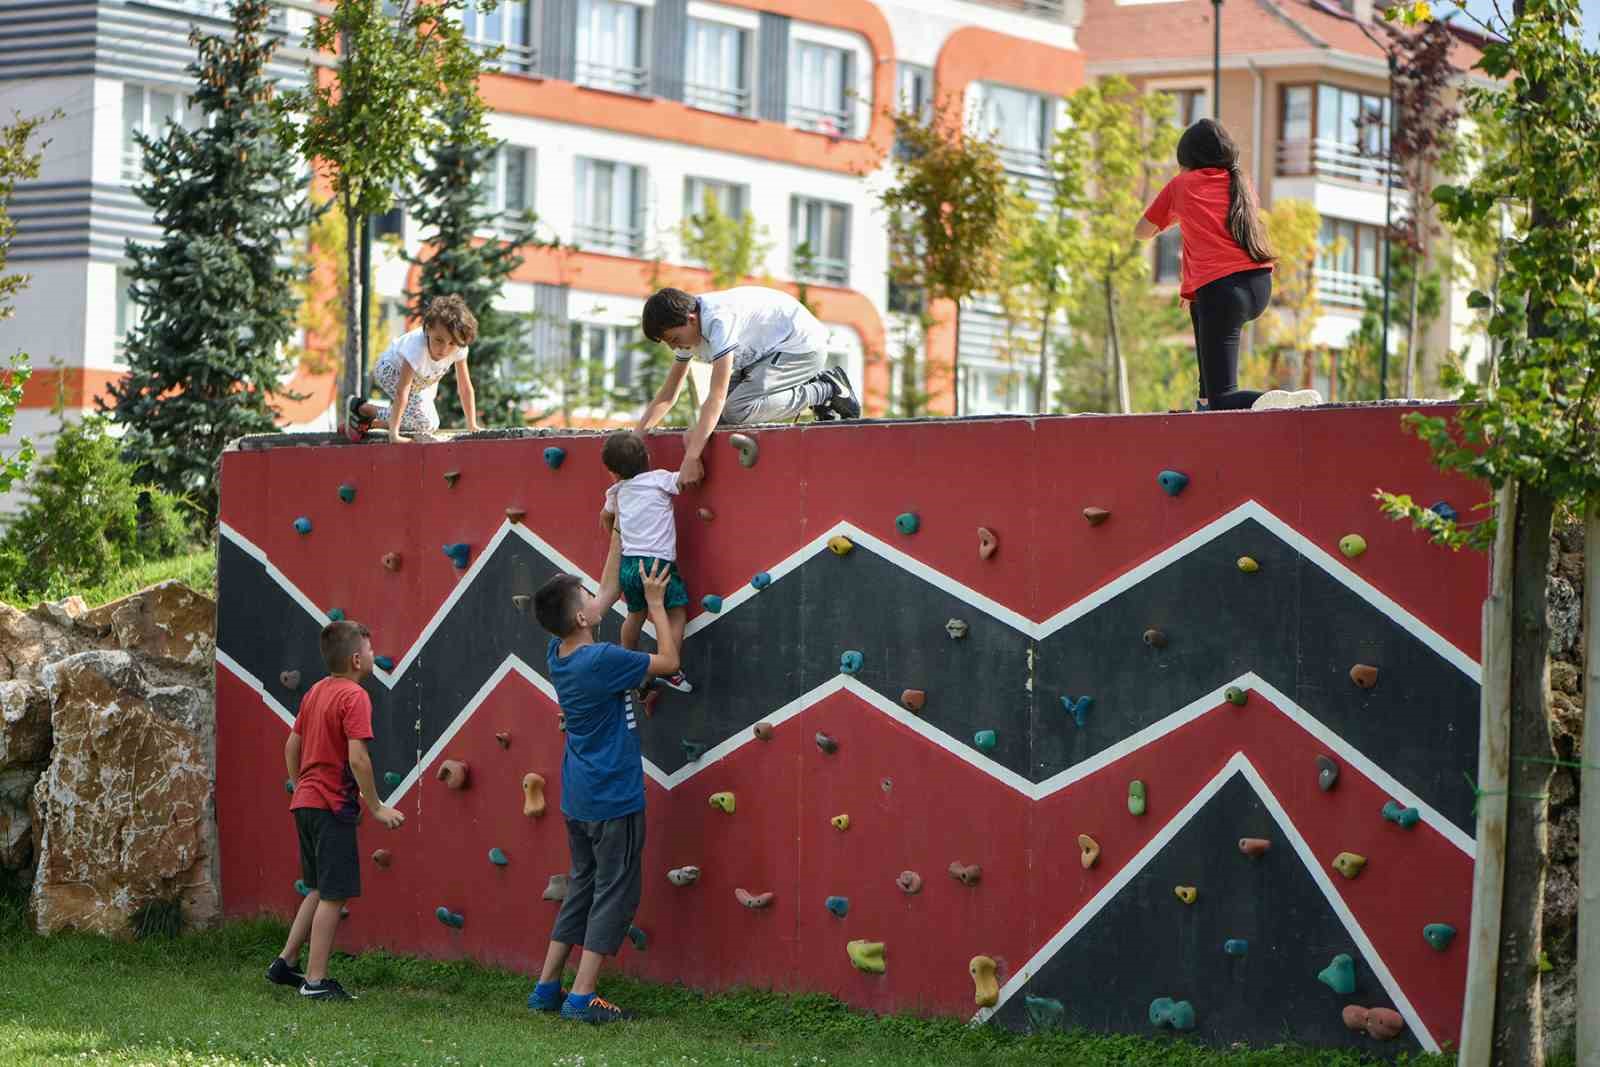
[(1227, 263)]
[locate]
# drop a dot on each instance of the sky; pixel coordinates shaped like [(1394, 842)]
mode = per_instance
[(1591, 15)]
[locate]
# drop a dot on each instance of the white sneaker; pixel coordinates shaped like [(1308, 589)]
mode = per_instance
[(1275, 399)]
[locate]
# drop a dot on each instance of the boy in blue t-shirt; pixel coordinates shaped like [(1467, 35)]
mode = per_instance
[(602, 783)]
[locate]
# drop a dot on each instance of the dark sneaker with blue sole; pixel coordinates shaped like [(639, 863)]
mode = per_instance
[(599, 1012), (282, 972), (327, 989)]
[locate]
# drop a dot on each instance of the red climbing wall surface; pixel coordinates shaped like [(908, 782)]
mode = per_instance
[(1058, 611)]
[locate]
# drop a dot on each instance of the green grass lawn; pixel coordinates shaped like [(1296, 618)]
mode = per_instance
[(202, 1000), (197, 569)]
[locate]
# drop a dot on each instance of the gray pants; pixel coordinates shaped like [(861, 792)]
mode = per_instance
[(605, 883), (775, 387)]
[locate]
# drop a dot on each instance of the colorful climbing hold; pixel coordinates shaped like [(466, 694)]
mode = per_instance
[(1078, 708), (761, 581), (498, 857), (1186, 893), (1380, 1024), (520, 601), (1327, 773), (967, 874), (1439, 935), (347, 492), (850, 661), (1088, 851), (557, 887), (554, 457), (913, 699), (1339, 975), (288, 786), (693, 750), (1254, 846), (532, 795), (711, 602), (706, 514), (985, 740), (749, 451), (1443, 510), (1136, 797), (1172, 481), (1096, 516), (450, 478), (335, 614), (1349, 864), (450, 918), (383, 857), (1236, 946), (516, 515), (1236, 696), (763, 731), (453, 773), (910, 882), (988, 543), (866, 956), (826, 743), (1364, 676), (1405, 818), (682, 876), (1247, 564), (907, 523), (460, 554), (840, 906), (503, 739), (640, 939), (289, 679), (985, 990), (383, 663), (723, 802), (840, 545), (1044, 1013), (956, 628), (301, 887), (302, 525), (1169, 1014), (392, 778), (753, 900), (1352, 545), (840, 822), (1155, 638)]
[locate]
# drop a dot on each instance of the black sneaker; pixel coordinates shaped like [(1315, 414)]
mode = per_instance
[(356, 425), (843, 404), (327, 989), (599, 1011), (282, 972)]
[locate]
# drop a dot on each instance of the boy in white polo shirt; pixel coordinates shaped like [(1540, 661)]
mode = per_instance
[(766, 353), (639, 504)]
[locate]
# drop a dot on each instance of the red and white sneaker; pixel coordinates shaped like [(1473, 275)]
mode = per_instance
[(677, 681)]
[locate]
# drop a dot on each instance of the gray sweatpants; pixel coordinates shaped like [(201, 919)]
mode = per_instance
[(775, 387), (604, 886)]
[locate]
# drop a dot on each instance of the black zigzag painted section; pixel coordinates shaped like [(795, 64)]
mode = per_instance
[(1269, 995)]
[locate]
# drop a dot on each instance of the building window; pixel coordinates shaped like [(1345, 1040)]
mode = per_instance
[(820, 240), (914, 90), (820, 95), (729, 198), (1189, 106), (1332, 131), (509, 27), (611, 45), (148, 111), (1021, 124), (717, 74), (129, 314), (1169, 257), (1349, 261), (508, 181), (602, 360), (610, 206)]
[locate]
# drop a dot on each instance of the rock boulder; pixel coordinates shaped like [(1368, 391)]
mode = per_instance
[(168, 621)]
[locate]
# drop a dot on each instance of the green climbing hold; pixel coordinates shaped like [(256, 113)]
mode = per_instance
[(866, 956), (1166, 1013), (449, 918), (850, 662), (985, 740), (1439, 935), (347, 492), (907, 523), (302, 525), (1352, 545), (301, 887), (1406, 818), (693, 750), (392, 778), (1136, 797), (1044, 1013), (640, 939), (288, 786), (1235, 696), (1236, 946), (711, 602), (554, 457), (497, 857), (1173, 481), (1339, 975), (335, 614), (383, 663)]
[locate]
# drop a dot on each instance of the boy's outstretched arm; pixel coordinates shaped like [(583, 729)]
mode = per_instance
[(291, 756), (666, 396), (361, 767), (665, 662), (610, 590), (469, 399), (693, 471)]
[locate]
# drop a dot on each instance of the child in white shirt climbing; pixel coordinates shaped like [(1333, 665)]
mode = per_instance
[(410, 372), (639, 504)]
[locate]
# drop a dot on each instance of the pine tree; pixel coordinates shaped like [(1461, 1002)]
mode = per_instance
[(208, 354)]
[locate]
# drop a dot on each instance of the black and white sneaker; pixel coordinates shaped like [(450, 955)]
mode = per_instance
[(282, 972), (356, 425), (327, 989), (843, 404)]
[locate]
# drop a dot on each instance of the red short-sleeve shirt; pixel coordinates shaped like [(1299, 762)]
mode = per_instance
[(331, 713), (1197, 200)]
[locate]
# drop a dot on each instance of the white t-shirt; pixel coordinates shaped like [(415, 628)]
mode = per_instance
[(752, 322), (643, 507), (425, 370)]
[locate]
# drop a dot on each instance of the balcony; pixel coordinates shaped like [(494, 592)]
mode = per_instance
[(613, 239), (719, 98), (1338, 288), (821, 120), (513, 58), (1055, 10), (822, 271), (1333, 159), (617, 79), (1030, 169)]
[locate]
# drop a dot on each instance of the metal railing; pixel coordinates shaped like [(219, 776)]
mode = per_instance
[(1342, 288), (617, 79), (821, 120), (513, 58), (717, 98), (1049, 9), (823, 271), (1334, 159), (624, 240)]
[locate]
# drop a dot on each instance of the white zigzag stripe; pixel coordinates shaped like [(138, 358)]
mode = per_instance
[(1238, 764)]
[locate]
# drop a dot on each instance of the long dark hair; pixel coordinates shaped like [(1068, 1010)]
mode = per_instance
[(1205, 145)]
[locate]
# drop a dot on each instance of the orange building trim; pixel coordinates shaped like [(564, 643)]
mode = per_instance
[(671, 120), (74, 387)]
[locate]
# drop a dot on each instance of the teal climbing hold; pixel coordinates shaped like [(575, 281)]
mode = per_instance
[(1166, 1013), (711, 602), (985, 740), (450, 918), (693, 750), (1078, 708), (1236, 946), (1173, 481), (347, 492), (640, 939), (301, 887), (335, 614), (907, 523), (840, 906), (1044, 1013), (554, 457), (497, 857), (384, 663), (1339, 975), (302, 525), (1406, 818), (1439, 935), (288, 786), (392, 778), (460, 554), (850, 661), (761, 581)]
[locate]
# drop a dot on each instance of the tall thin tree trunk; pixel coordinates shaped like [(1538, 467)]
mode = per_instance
[(1041, 394), (353, 370), (955, 362), (1119, 365), (1411, 329)]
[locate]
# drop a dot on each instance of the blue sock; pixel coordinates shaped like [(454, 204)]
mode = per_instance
[(547, 990), (577, 1003)]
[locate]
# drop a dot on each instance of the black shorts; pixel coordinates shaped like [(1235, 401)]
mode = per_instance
[(330, 863), (606, 882)]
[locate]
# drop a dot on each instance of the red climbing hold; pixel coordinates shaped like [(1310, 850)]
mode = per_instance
[(383, 857), (504, 739), (453, 773), (706, 514), (1096, 515), (1254, 846), (987, 542), (516, 515), (391, 561)]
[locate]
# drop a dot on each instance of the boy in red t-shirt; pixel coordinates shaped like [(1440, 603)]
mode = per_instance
[(327, 758)]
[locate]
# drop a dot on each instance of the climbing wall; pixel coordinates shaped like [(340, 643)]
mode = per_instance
[(1177, 743)]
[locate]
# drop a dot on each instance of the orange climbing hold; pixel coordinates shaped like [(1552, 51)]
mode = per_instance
[(453, 773), (840, 822), (753, 900), (987, 542), (532, 795), (516, 515), (391, 561), (966, 874), (1364, 676), (1088, 851), (1380, 1024), (913, 699), (383, 857), (1254, 846), (985, 989), (1096, 515)]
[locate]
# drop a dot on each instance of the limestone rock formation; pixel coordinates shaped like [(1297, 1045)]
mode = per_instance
[(167, 621)]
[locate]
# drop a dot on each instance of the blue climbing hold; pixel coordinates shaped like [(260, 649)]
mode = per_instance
[(497, 857), (1236, 946), (460, 554), (985, 740), (384, 663), (840, 906), (302, 525), (301, 888), (554, 457), (711, 602), (1079, 708), (1171, 1014), (1339, 975), (761, 581), (1044, 1013), (347, 492), (1443, 510), (1173, 481), (450, 918), (907, 523), (1406, 818), (335, 614), (1439, 935), (850, 662)]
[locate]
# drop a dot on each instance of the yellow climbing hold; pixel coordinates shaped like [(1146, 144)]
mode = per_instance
[(1186, 893), (840, 545), (1349, 864), (866, 956), (840, 822), (1248, 565), (986, 991), (723, 801), (1352, 545)]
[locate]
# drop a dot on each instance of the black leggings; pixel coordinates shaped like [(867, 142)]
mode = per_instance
[(1219, 311)]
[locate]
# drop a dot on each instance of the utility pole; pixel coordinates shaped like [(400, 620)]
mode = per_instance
[(1216, 61)]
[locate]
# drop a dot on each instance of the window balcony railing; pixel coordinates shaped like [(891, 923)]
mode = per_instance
[(1049, 9), (626, 241), (513, 58), (617, 79), (820, 120), (1333, 159), (823, 271), (717, 98), (1337, 287), (133, 164)]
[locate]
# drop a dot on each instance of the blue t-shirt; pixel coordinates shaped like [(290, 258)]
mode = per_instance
[(602, 773)]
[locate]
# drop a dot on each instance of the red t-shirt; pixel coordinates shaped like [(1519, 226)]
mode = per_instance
[(334, 711), (1198, 201)]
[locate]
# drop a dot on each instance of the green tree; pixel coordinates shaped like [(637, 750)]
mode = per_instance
[(367, 124), (1360, 363), (320, 267), (18, 161), (1283, 350), (1533, 434), (732, 248), (208, 354)]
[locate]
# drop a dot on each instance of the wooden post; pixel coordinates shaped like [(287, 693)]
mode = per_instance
[(1494, 775), (1589, 812)]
